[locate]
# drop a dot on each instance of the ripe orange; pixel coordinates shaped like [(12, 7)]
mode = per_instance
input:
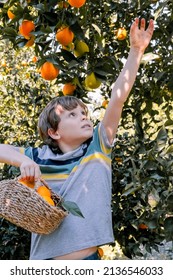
[(68, 89), (43, 191), (64, 35), (34, 59), (26, 28), (76, 3), (30, 42), (49, 200), (10, 14), (49, 71), (142, 226), (29, 184), (3, 63), (105, 103), (121, 33), (100, 252)]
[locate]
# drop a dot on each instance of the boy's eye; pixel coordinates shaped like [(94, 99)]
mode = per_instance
[(83, 113), (72, 114)]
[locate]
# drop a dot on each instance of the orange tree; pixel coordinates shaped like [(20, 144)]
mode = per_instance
[(142, 196)]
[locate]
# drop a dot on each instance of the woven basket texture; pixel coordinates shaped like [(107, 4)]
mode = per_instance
[(24, 207)]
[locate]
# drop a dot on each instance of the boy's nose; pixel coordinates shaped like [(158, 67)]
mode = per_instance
[(83, 117)]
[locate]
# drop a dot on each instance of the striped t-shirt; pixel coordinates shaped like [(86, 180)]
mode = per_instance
[(83, 176)]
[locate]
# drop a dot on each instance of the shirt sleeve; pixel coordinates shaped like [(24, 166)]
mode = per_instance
[(26, 151)]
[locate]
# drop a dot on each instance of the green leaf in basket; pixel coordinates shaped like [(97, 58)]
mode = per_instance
[(72, 208)]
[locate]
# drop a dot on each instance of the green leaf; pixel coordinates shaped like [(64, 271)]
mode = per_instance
[(130, 190), (170, 150), (73, 208), (161, 138)]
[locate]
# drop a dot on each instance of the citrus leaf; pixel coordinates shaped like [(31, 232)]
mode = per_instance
[(72, 208)]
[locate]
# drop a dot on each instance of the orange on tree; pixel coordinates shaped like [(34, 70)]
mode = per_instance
[(49, 71), (105, 103), (91, 81), (10, 14), (64, 35), (76, 3), (34, 59), (68, 89), (49, 200), (3, 63), (80, 48), (26, 28), (142, 226), (27, 183), (43, 191), (30, 41), (121, 33)]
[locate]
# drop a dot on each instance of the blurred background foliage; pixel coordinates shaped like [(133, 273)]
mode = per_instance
[(142, 197)]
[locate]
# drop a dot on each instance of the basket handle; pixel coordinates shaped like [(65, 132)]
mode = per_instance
[(38, 183)]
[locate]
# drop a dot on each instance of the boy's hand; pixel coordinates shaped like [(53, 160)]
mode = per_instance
[(30, 171), (139, 37)]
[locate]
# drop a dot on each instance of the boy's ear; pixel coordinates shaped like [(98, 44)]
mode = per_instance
[(53, 134)]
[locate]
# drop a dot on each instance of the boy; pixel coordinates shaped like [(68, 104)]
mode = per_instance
[(76, 162)]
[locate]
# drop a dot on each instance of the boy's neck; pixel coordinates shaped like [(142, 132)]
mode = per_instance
[(65, 148)]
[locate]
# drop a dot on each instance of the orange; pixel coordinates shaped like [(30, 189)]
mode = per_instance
[(64, 35), (30, 42), (68, 89), (142, 226), (81, 48), (76, 3), (43, 191), (3, 63), (105, 103), (49, 200), (121, 33), (91, 81), (10, 14), (100, 252), (26, 183), (34, 59), (49, 71), (26, 28)]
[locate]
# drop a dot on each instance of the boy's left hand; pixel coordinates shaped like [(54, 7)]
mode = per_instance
[(139, 37)]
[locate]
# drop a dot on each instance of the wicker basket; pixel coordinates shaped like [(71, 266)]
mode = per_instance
[(24, 207)]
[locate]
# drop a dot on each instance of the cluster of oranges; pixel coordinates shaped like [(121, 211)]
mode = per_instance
[(65, 37), (42, 190)]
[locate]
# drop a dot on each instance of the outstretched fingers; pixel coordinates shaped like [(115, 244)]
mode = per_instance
[(150, 28), (142, 24)]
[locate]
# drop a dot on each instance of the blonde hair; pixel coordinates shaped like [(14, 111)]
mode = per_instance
[(50, 119)]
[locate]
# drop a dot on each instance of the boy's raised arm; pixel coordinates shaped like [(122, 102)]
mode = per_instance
[(28, 168), (139, 40)]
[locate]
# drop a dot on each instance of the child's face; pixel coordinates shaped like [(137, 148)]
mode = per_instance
[(75, 127)]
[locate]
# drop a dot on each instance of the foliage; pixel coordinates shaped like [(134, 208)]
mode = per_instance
[(142, 154), (142, 191), (14, 242)]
